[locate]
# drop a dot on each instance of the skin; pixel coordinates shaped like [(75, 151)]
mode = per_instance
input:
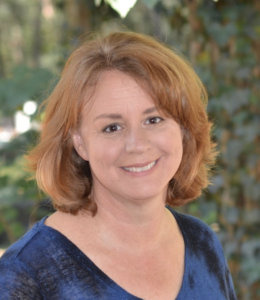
[(121, 128), (133, 238)]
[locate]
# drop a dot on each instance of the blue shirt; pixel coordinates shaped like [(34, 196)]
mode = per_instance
[(44, 264)]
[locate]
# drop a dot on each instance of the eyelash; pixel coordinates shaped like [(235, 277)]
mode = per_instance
[(148, 121), (106, 129), (158, 120)]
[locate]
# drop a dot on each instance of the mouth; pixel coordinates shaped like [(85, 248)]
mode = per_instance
[(140, 169)]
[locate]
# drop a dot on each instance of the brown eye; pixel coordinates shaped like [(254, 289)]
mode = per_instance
[(112, 128), (154, 120)]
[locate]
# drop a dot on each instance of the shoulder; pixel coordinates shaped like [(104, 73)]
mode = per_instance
[(38, 248), (26, 247), (196, 232), (204, 259), (202, 245), (188, 221), (16, 282), (18, 277), (201, 241)]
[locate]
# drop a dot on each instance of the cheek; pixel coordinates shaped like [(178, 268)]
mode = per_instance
[(178, 143), (103, 153), (175, 147), (173, 140), (177, 152)]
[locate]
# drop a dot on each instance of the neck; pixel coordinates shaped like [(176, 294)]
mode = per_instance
[(141, 224)]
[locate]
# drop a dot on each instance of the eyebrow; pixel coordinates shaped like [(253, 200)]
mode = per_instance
[(118, 116)]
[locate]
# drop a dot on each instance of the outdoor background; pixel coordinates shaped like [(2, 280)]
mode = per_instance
[(221, 39)]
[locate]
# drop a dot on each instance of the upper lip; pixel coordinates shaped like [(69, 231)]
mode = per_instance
[(140, 165)]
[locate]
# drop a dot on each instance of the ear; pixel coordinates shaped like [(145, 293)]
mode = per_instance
[(79, 145)]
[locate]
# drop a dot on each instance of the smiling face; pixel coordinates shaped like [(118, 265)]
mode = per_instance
[(133, 150)]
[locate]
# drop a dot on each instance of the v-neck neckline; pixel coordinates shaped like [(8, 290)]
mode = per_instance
[(80, 256)]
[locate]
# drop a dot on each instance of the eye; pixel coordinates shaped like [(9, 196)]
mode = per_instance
[(112, 128), (154, 120)]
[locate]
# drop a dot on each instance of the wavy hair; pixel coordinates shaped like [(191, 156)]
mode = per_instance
[(175, 89)]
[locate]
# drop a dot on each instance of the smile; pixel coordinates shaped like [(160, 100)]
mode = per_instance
[(140, 169)]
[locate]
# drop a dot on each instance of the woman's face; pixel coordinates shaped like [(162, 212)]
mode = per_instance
[(133, 150)]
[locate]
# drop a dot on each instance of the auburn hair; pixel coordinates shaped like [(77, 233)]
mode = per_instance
[(172, 84)]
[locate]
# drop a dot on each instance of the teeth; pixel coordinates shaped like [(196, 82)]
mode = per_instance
[(145, 168)]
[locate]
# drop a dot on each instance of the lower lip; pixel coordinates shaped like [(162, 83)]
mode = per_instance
[(142, 173)]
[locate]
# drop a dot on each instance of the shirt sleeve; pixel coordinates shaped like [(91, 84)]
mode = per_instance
[(16, 283)]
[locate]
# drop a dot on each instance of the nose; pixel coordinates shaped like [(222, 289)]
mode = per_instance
[(137, 141)]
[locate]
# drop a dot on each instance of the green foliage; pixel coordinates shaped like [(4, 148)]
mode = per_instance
[(151, 3), (19, 197), (25, 83)]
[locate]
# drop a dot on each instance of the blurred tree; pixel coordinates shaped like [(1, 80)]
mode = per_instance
[(220, 38)]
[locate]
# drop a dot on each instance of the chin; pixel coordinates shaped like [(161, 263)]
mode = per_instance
[(147, 195)]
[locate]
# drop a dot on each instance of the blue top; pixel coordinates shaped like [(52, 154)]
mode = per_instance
[(44, 264)]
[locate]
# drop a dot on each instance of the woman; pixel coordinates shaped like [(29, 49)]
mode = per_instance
[(125, 135)]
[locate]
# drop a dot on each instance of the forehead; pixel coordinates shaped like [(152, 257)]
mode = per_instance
[(116, 89)]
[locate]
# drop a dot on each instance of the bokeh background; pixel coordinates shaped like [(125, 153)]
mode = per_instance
[(221, 39)]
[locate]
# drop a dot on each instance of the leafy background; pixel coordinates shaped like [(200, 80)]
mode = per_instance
[(220, 38)]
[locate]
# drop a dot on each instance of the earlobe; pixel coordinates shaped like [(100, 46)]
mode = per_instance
[(78, 145)]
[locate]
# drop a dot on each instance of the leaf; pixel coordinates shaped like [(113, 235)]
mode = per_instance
[(234, 149), (243, 73), (247, 132), (25, 84), (221, 33), (217, 183), (234, 100), (98, 2), (232, 215), (251, 216), (151, 3), (18, 146)]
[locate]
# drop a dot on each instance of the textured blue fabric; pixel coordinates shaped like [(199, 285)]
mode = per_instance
[(44, 264)]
